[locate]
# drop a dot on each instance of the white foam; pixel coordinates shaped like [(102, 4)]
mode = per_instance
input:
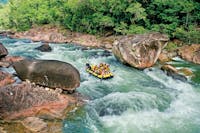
[(125, 87), (183, 111)]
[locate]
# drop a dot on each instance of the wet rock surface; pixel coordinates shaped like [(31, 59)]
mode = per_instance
[(186, 71), (50, 73), (173, 72), (25, 100), (28, 125), (140, 51), (3, 51), (167, 56), (190, 53), (44, 48)]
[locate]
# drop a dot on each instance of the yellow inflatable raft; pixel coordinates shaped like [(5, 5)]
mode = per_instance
[(106, 75)]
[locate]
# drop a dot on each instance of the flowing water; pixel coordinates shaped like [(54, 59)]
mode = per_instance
[(3, 1), (132, 102)]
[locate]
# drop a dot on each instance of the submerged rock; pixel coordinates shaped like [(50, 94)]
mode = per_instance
[(186, 71), (140, 51), (50, 73), (190, 53), (173, 72), (3, 51), (44, 48)]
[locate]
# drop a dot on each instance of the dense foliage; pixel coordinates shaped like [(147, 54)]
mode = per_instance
[(178, 18)]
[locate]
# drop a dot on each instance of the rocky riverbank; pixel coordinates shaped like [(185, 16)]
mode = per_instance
[(49, 105), (31, 106), (53, 34), (140, 51)]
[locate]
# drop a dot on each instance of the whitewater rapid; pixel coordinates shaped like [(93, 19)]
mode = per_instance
[(132, 102)]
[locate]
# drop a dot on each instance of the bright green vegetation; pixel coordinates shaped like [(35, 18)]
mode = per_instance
[(177, 18), (171, 46)]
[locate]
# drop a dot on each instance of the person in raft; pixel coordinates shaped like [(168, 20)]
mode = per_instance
[(102, 69)]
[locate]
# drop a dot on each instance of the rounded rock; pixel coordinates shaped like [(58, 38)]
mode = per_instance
[(49, 73)]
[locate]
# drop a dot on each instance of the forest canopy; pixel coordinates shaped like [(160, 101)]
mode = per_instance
[(177, 18)]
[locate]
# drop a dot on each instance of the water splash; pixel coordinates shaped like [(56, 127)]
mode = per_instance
[(132, 102)]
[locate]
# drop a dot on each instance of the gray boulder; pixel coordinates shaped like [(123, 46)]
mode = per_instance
[(50, 73), (140, 51)]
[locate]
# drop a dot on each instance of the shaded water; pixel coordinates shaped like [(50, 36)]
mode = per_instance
[(132, 102)]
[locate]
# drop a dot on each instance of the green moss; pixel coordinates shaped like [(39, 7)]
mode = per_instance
[(171, 46)]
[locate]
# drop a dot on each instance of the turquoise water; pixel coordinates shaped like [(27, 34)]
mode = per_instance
[(3, 1), (178, 63), (132, 102)]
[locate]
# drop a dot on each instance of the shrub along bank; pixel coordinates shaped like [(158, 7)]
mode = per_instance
[(177, 18)]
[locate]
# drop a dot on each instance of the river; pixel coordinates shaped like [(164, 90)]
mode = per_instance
[(133, 101)]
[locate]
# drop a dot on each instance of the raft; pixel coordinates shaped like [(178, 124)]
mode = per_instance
[(104, 76)]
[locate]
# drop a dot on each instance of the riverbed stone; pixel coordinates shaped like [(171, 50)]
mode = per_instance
[(166, 56), (190, 53), (186, 71), (140, 51), (49, 73), (3, 51), (173, 72), (44, 48)]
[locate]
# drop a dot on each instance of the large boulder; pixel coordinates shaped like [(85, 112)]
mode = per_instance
[(50, 73), (25, 100), (44, 48), (190, 53), (3, 51), (140, 51)]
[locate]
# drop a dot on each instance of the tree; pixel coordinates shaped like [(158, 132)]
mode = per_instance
[(179, 19)]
